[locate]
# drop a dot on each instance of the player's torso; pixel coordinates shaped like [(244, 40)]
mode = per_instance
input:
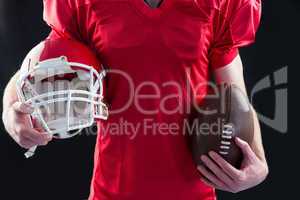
[(168, 49), (166, 43)]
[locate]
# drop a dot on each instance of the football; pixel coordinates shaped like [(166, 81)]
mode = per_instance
[(224, 114)]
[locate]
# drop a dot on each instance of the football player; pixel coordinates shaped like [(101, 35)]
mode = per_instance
[(165, 48)]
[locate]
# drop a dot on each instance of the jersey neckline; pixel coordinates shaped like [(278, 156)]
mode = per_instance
[(152, 13)]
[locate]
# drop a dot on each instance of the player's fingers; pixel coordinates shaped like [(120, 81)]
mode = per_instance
[(23, 108), (219, 173), (37, 126), (227, 167), (36, 134), (38, 137), (208, 183), (25, 142), (33, 135), (212, 178)]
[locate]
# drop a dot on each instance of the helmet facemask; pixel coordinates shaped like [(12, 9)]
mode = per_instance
[(67, 97)]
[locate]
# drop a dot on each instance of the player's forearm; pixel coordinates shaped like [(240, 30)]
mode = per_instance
[(10, 95), (233, 74), (257, 144)]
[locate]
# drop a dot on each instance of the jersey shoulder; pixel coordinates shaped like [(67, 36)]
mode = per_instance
[(221, 4)]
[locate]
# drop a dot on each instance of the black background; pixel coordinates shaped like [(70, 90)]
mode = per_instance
[(63, 169)]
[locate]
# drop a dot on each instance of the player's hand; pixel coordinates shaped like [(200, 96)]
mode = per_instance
[(17, 123), (223, 176)]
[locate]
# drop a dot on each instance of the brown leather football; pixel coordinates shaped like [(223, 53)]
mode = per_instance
[(219, 120)]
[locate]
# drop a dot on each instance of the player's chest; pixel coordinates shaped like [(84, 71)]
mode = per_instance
[(180, 26)]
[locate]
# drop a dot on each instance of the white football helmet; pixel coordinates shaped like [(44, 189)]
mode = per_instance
[(60, 78)]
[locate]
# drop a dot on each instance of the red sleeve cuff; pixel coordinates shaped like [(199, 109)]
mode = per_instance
[(219, 60)]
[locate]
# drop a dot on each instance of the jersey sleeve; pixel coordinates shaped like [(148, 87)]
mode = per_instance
[(60, 15), (234, 26)]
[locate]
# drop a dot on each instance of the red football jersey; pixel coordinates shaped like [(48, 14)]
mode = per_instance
[(158, 58)]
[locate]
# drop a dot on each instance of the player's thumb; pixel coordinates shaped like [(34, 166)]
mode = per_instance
[(23, 108), (246, 149)]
